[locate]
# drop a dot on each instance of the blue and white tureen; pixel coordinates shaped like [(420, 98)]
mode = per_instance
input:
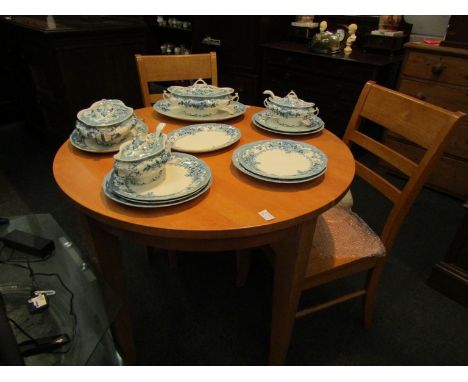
[(143, 159), (289, 110), (200, 99)]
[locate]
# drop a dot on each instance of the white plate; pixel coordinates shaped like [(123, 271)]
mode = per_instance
[(89, 145), (256, 124), (203, 137), (133, 203), (264, 119), (185, 175), (161, 107), (236, 163), (282, 159)]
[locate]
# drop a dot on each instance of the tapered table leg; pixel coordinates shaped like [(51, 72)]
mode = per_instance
[(105, 249), (290, 265)]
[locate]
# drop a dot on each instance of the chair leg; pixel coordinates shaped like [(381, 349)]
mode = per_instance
[(373, 280), (242, 266)]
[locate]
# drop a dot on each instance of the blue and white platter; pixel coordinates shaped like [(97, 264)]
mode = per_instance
[(237, 164), (264, 120), (185, 175), (282, 159), (164, 107), (90, 145), (107, 188), (203, 137)]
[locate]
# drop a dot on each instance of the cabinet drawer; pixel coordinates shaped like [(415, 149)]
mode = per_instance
[(449, 175), (450, 97), (452, 70)]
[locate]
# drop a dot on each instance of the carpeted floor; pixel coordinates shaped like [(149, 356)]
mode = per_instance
[(196, 316)]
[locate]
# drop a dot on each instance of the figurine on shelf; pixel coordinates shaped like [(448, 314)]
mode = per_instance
[(352, 28)]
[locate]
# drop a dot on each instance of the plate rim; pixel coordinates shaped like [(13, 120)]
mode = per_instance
[(229, 143), (312, 147), (309, 131)]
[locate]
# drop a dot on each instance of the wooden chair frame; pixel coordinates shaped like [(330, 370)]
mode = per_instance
[(426, 125), (159, 68)]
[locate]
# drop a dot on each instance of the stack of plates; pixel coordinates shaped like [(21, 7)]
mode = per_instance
[(280, 161), (186, 178), (266, 121)]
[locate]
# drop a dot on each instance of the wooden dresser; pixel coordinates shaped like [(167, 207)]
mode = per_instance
[(438, 75)]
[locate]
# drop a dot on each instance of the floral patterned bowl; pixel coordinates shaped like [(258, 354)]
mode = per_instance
[(106, 112), (143, 159), (200, 99), (290, 110), (108, 135)]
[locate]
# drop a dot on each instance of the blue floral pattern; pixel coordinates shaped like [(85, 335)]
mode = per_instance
[(200, 89), (317, 159), (106, 112)]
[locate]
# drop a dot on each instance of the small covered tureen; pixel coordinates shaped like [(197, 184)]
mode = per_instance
[(200, 99), (107, 121), (143, 159), (290, 110)]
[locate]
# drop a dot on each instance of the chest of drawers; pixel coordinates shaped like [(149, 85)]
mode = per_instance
[(438, 75)]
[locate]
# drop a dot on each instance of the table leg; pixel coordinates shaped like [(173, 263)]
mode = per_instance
[(290, 264), (105, 249)]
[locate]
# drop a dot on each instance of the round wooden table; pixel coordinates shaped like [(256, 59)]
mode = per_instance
[(225, 218)]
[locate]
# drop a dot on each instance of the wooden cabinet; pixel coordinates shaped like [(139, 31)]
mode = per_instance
[(66, 63), (332, 82), (439, 75)]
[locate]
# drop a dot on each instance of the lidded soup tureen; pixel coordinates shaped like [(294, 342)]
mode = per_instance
[(107, 122), (143, 159), (200, 99), (290, 110)]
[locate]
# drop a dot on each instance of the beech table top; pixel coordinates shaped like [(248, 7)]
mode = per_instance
[(231, 206)]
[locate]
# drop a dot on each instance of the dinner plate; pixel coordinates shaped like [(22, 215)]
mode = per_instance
[(256, 124), (203, 137), (162, 107), (90, 145), (237, 164), (106, 186), (184, 175), (282, 159), (266, 120)]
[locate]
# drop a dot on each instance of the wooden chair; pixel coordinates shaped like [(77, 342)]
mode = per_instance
[(343, 244), (174, 68)]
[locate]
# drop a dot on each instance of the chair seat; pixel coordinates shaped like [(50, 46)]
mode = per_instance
[(341, 237)]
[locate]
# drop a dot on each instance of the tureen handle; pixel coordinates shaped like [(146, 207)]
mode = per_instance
[(270, 93), (200, 82), (159, 129), (292, 94)]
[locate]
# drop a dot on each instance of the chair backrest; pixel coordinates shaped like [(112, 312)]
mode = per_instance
[(422, 123), (154, 68)]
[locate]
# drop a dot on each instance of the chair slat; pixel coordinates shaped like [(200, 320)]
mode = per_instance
[(382, 185), (383, 152), (392, 110), (159, 68)]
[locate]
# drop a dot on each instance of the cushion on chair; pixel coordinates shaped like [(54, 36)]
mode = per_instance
[(340, 233), (347, 200)]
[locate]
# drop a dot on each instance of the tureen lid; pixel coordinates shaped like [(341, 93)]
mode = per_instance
[(200, 89), (291, 100), (106, 112), (142, 146)]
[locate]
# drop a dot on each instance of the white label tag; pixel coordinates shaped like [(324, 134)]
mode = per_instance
[(266, 215)]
